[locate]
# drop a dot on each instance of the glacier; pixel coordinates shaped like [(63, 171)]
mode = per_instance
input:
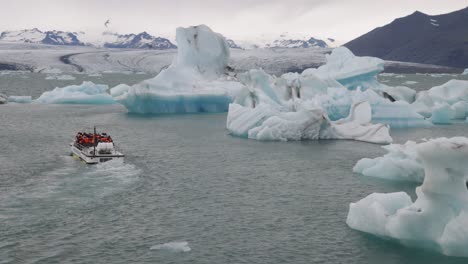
[(85, 93), (437, 219), (196, 81), (401, 163)]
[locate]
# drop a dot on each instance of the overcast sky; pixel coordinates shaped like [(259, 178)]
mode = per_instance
[(339, 19)]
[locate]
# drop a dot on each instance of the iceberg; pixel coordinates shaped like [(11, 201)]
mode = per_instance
[(401, 163), (465, 72), (437, 219), (86, 93), (195, 82), (272, 122), (349, 70), (20, 99), (444, 103)]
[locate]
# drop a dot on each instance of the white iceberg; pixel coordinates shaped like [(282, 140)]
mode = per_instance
[(265, 111), (86, 93), (444, 103), (400, 163), (20, 99), (195, 81), (351, 71), (437, 219), (465, 72)]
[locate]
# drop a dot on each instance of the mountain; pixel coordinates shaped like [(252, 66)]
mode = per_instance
[(285, 40), (233, 44), (137, 41), (421, 38), (36, 36)]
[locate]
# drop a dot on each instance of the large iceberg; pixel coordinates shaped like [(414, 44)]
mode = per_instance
[(280, 109), (195, 82), (85, 93), (400, 163), (437, 219)]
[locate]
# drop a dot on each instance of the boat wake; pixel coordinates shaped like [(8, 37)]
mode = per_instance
[(72, 184)]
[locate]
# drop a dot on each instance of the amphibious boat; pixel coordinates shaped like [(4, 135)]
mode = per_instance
[(93, 148)]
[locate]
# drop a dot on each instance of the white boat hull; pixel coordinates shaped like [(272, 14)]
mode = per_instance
[(87, 156)]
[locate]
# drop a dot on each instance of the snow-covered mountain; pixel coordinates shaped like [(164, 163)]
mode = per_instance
[(285, 40), (136, 41), (233, 44), (47, 37), (144, 40)]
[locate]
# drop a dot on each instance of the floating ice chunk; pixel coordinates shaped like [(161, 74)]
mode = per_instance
[(64, 77), (267, 123), (400, 163), (195, 82), (20, 99), (442, 114), (398, 115), (437, 219), (349, 70), (86, 93), (465, 72), (450, 92), (96, 74), (444, 102), (460, 110), (411, 82), (173, 247), (371, 214)]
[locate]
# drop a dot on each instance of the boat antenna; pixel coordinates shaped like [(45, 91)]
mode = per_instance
[(94, 141)]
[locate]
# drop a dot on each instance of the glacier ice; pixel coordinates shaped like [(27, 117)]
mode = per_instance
[(400, 163), (444, 103), (194, 82), (465, 72), (349, 70), (19, 99), (442, 114), (85, 93), (437, 219), (261, 112)]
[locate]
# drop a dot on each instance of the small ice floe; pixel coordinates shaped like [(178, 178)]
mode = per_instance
[(60, 77), (173, 247), (411, 82), (96, 74), (434, 24), (51, 71), (20, 99)]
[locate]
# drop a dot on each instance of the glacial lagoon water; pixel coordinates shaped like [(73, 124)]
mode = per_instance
[(213, 197)]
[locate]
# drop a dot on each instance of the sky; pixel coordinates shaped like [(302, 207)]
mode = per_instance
[(343, 20)]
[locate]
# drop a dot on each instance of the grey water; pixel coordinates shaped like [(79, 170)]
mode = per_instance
[(185, 179)]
